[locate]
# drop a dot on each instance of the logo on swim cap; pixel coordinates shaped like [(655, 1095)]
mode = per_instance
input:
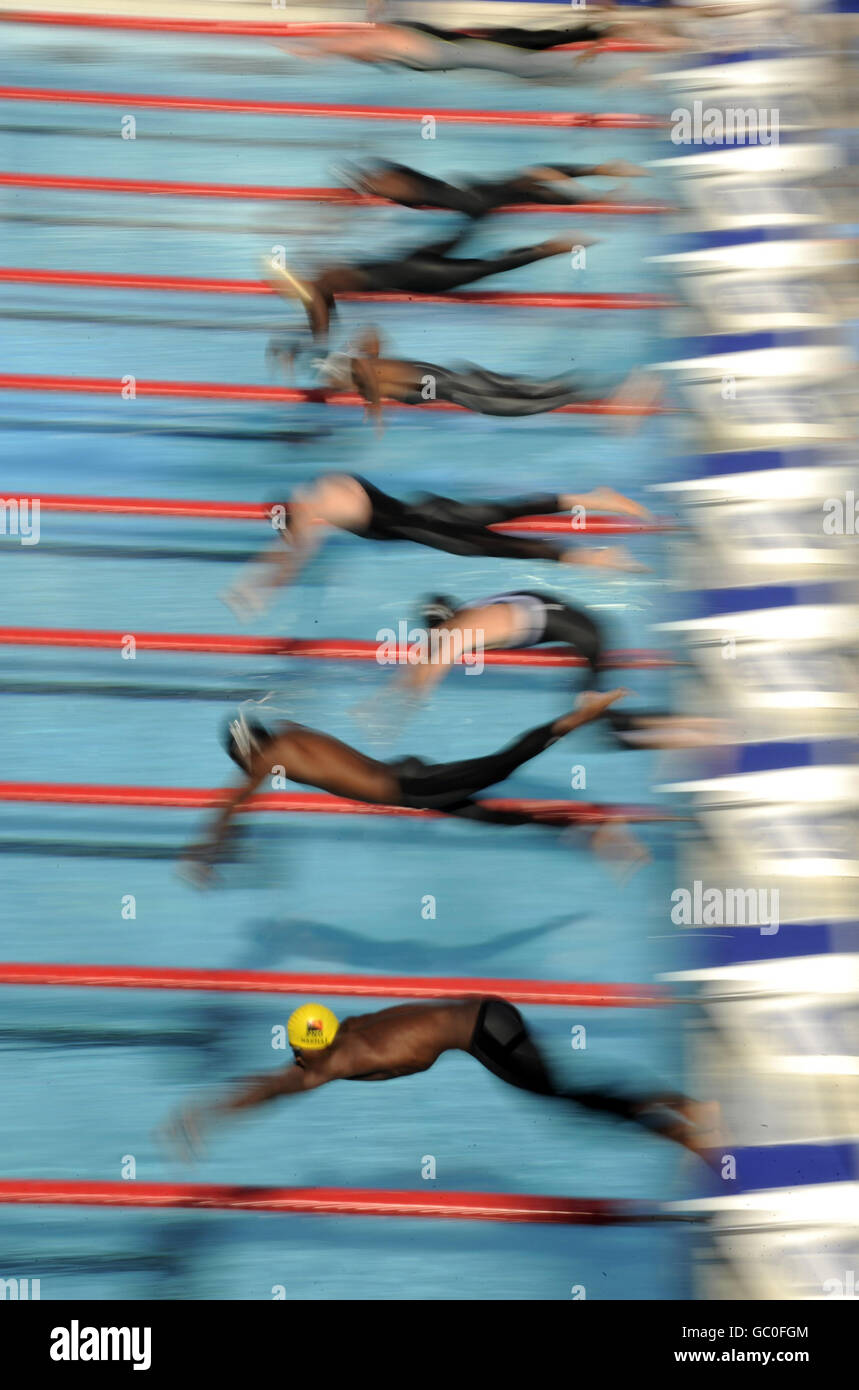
[(312, 1026)]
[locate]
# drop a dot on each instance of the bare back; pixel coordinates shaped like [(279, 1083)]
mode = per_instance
[(394, 1042), (317, 760)]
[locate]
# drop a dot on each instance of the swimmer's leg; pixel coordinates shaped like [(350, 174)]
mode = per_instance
[(575, 628), (437, 276), (501, 1043), (490, 393), (442, 785), (451, 785), (492, 512)]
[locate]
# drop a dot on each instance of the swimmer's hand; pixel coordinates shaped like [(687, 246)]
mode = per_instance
[(183, 1132), (197, 867), (247, 600)]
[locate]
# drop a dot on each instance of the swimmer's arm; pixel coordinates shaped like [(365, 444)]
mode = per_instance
[(366, 378), (258, 1090), (185, 1131), (298, 540), (200, 858)]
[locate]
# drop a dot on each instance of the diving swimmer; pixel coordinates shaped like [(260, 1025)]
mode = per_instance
[(350, 503), (410, 1038), (526, 618), (549, 184), (315, 759), (429, 269), (362, 368)]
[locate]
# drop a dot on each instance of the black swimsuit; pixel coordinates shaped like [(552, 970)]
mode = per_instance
[(530, 40), (460, 528), (450, 786), (501, 1043), (480, 196), (432, 270)]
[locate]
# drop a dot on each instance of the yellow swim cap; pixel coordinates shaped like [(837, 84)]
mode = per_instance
[(312, 1026)]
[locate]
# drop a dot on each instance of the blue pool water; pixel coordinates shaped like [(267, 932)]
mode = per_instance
[(90, 1076)]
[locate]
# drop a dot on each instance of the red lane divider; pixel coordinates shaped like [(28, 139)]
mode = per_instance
[(326, 649), (211, 798), (594, 524), (565, 119), (343, 197), (196, 285), (330, 1201), (555, 992), (226, 391), (251, 29)]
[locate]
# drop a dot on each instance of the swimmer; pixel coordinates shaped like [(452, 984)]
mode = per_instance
[(377, 378), (428, 270), (410, 1038), (529, 618), (350, 503), (315, 759), (550, 184), (515, 52)]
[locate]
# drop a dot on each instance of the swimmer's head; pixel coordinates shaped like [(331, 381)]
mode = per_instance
[(243, 739), (438, 609), (311, 1027)]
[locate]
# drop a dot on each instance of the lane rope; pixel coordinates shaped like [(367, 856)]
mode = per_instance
[(341, 197), (257, 29), (323, 649), (608, 120), (284, 395), (317, 803), (91, 279), (329, 1201), (594, 523), (551, 992)]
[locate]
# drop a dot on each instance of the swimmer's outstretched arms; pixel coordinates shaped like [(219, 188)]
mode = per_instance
[(410, 1038), (315, 759), (350, 503)]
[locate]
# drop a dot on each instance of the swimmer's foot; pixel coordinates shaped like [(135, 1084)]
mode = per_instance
[(703, 1133), (679, 732), (635, 398), (589, 706), (608, 500)]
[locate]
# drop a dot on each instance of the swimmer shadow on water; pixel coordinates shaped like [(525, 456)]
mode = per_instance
[(318, 941)]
